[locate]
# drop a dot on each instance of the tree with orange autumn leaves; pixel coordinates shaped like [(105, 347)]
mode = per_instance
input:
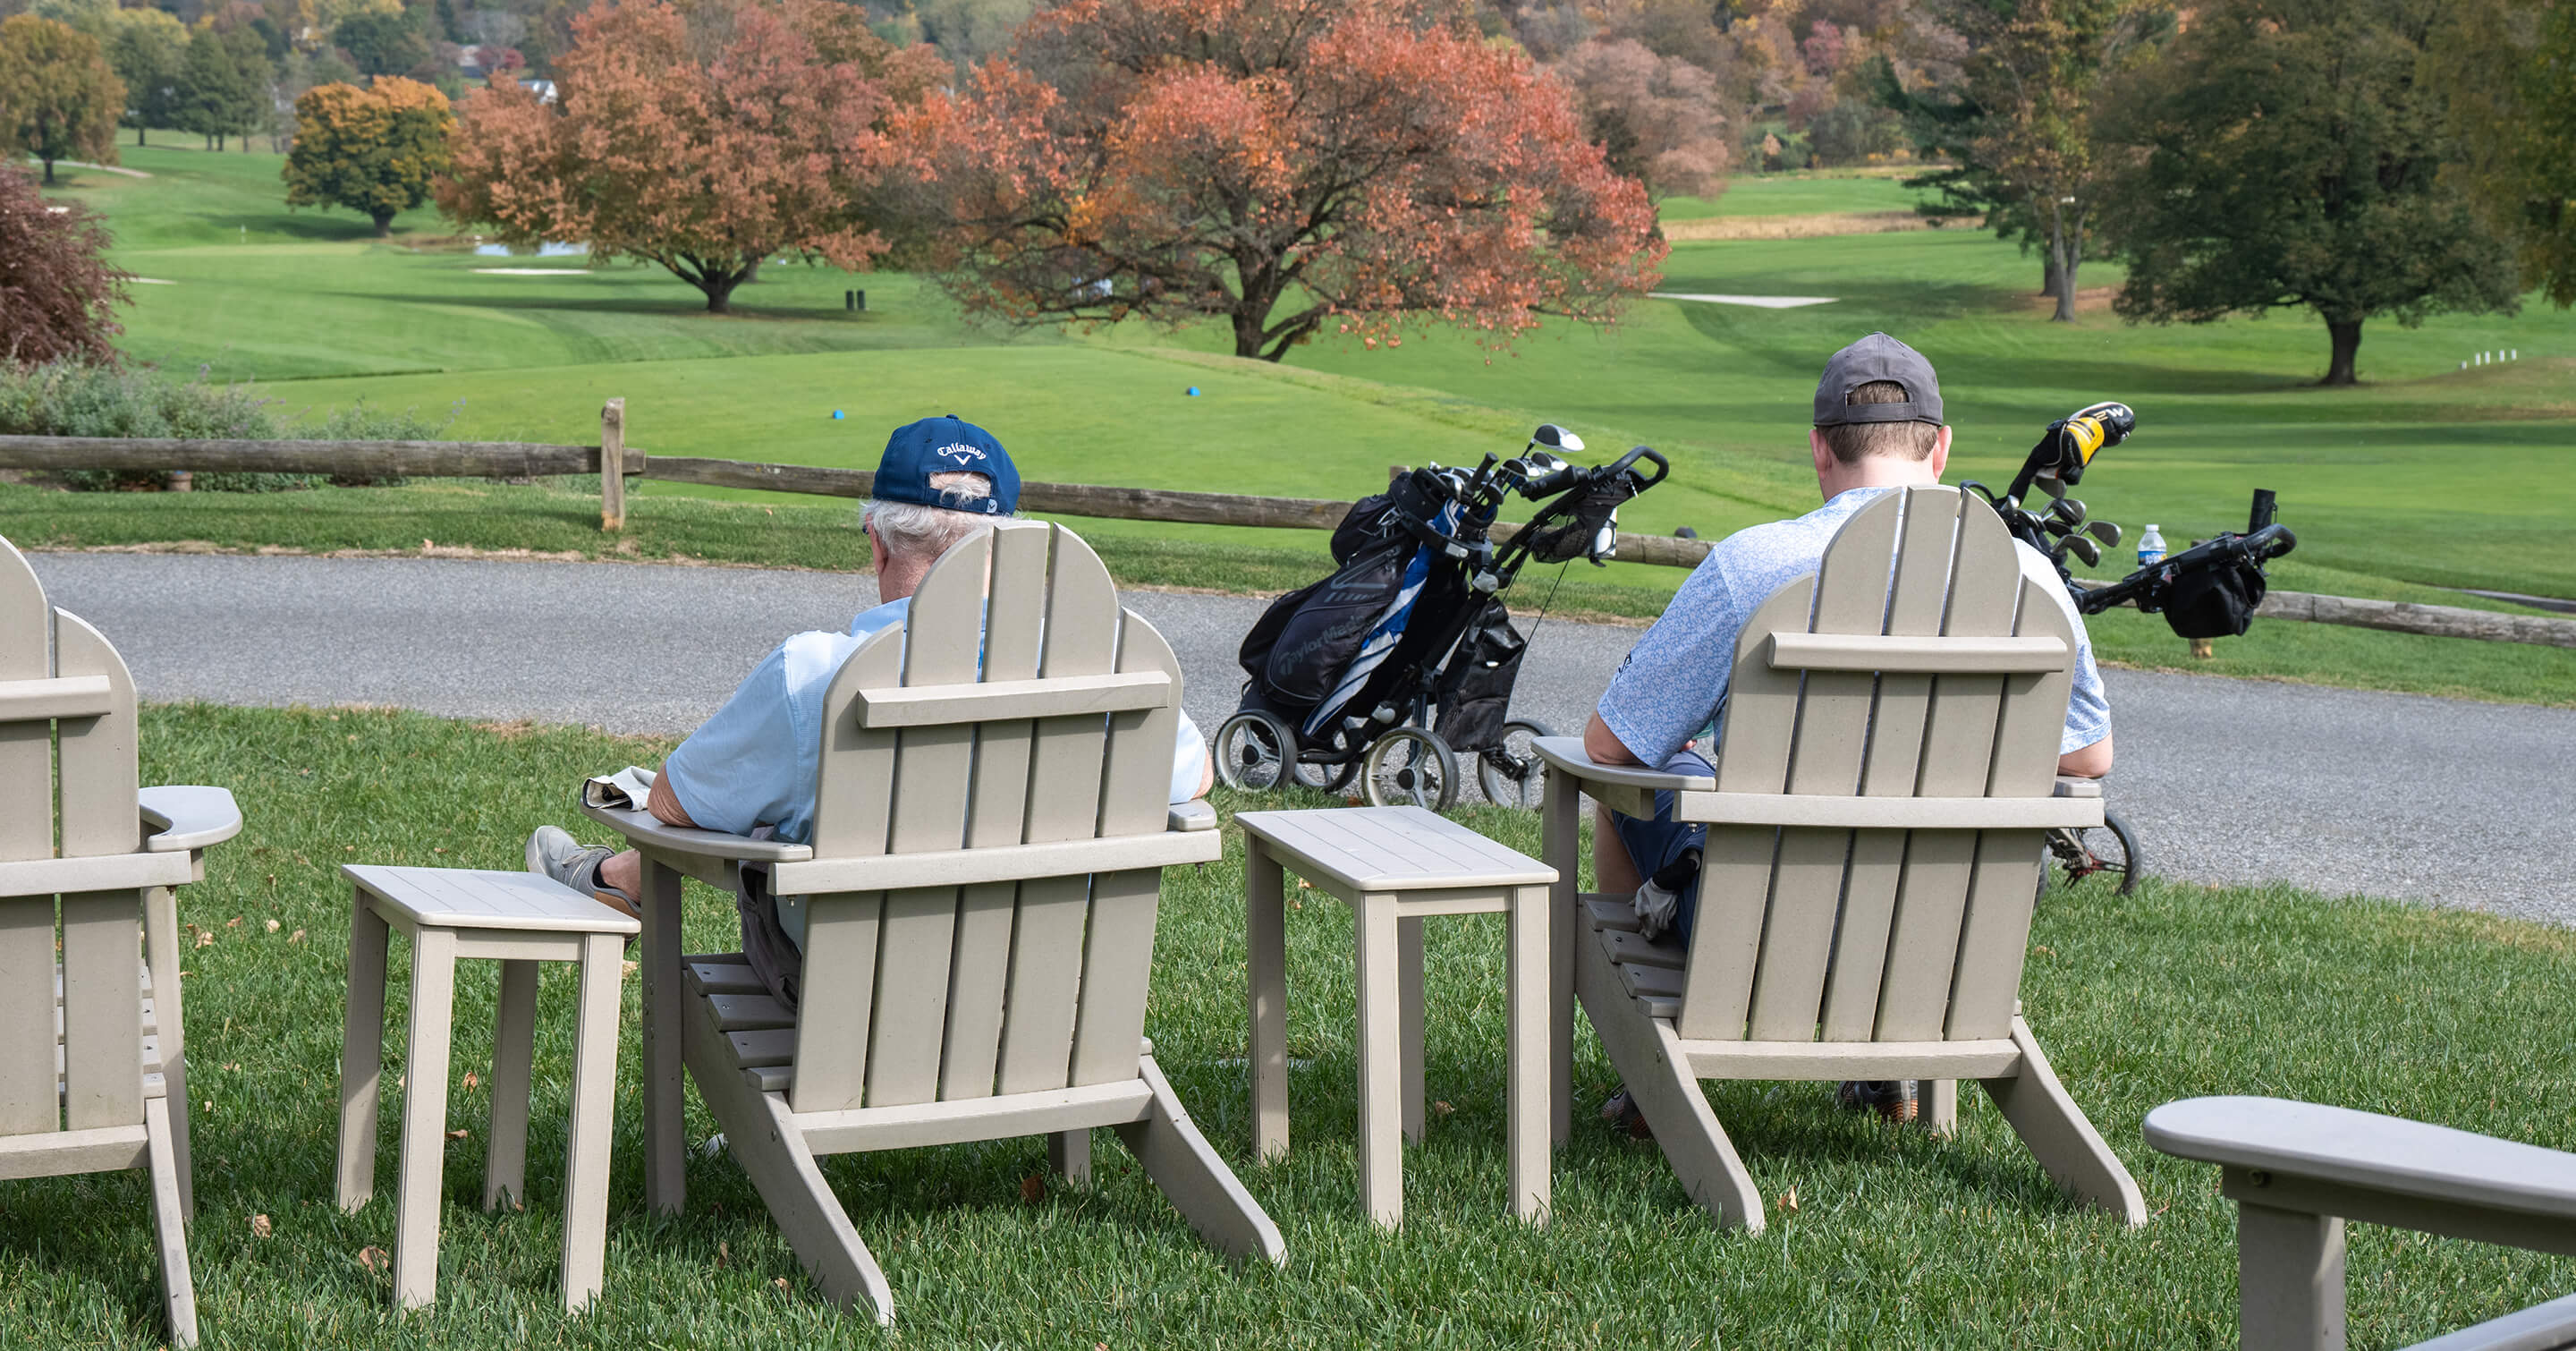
[(703, 138), (1280, 165)]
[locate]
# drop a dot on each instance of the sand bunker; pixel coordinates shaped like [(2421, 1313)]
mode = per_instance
[(1757, 302)]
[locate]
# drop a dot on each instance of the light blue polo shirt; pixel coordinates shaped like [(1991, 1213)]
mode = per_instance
[(1672, 687), (754, 762)]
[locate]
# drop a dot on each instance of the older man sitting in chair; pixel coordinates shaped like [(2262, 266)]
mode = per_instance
[(750, 769)]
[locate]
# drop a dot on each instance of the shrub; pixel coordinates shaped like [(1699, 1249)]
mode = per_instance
[(67, 398), (58, 296)]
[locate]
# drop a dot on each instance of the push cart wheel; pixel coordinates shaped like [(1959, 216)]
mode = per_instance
[(2109, 851), (1328, 778), (1410, 767), (1510, 772), (1254, 751)]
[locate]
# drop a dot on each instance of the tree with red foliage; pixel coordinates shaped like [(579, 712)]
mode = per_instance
[(1277, 164), (57, 294), (1655, 117), (703, 139)]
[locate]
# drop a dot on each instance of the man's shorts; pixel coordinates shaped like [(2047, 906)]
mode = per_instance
[(1657, 842)]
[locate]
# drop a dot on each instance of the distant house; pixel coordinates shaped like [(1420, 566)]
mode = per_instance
[(544, 89)]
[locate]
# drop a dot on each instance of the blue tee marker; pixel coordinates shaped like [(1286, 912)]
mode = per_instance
[(836, 415), (1194, 391)]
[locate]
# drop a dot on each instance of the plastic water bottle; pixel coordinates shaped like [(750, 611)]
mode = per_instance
[(2151, 548)]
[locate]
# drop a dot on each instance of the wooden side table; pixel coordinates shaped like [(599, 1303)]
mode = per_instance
[(521, 919), (1395, 867)]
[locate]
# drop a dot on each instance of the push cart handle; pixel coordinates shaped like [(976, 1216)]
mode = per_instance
[(1663, 467)]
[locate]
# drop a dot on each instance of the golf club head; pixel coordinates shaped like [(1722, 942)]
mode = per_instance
[(2070, 510), (2048, 484), (2083, 548), (1555, 438), (2106, 531)]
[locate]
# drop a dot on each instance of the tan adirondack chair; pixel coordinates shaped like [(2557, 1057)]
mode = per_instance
[(1885, 770), (89, 1061), (987, 859), (2298, 1170)]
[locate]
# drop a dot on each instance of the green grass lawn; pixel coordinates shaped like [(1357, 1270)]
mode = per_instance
[(2428, 477), (1804, 193), (1895, 1239)]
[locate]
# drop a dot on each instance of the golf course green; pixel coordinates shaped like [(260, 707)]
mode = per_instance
[(2426, 476)]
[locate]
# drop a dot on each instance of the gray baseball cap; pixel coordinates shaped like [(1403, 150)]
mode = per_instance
[(1878, 357)]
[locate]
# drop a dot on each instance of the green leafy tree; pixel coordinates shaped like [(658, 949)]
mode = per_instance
[(224, 85), (375, 151), (2017, 123), (58, 96), (2286, 153), (2509, 70), (150, 53), (381, 42)]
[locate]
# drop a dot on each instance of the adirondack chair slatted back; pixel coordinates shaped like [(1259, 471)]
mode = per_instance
[(944, 993), (67, 790), (1881, 934)]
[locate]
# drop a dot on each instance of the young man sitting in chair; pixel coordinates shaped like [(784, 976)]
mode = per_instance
[(750, 769), (1878, 427)]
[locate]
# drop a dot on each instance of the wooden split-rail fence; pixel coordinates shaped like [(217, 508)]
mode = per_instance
[(519, 459)]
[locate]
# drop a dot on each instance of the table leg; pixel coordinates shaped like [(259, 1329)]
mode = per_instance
[(1526, 1135), (418, 1186), (1381, 1137), (665, 1144), (1266, 938), (362, 1054), (1408, 996), (1561, 848), (514, 1053), (594, 1110)]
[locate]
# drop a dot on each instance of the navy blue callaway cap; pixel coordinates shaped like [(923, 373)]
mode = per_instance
[(946, 445)]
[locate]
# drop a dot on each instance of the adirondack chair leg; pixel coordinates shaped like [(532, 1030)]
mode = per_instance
[(1197, 1183), (1266, 941), (178, 1287), (161, 950), (666, 1186), (1560, 847), (1408, 998), (362, 1051), (2289, 1276), (1937, 1107), (1650, 1061), (419, 1187), (594, 1106), (514, 1051), (2060, 1136), (1069, 1155), (761, 1135)]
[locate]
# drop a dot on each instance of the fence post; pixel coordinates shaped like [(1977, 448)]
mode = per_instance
[(612, 465)]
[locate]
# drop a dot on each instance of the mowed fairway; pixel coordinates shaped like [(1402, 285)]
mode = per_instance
[(2427, 476)]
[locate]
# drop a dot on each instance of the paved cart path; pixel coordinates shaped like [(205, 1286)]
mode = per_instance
[(2227, 780)]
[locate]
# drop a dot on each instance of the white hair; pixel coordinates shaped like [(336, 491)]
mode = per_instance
[(911, 530)]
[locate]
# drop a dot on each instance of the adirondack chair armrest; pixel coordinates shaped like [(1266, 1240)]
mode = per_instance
[(643, 830), (2382, 1169), (1565, 754), (1192, 816), (186, 818), (2070, 786)]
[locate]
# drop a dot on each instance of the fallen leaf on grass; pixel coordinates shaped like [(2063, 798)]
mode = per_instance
[(1789, 1199), (260, 1227), (470, 1081), (233, 923), (1033, 1188), (723, 1254), (206, 938), (1442, 1108), (628, 968), (272, 924), (295, 937), (459, 1133), (373, 1259), (777, 1282)]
